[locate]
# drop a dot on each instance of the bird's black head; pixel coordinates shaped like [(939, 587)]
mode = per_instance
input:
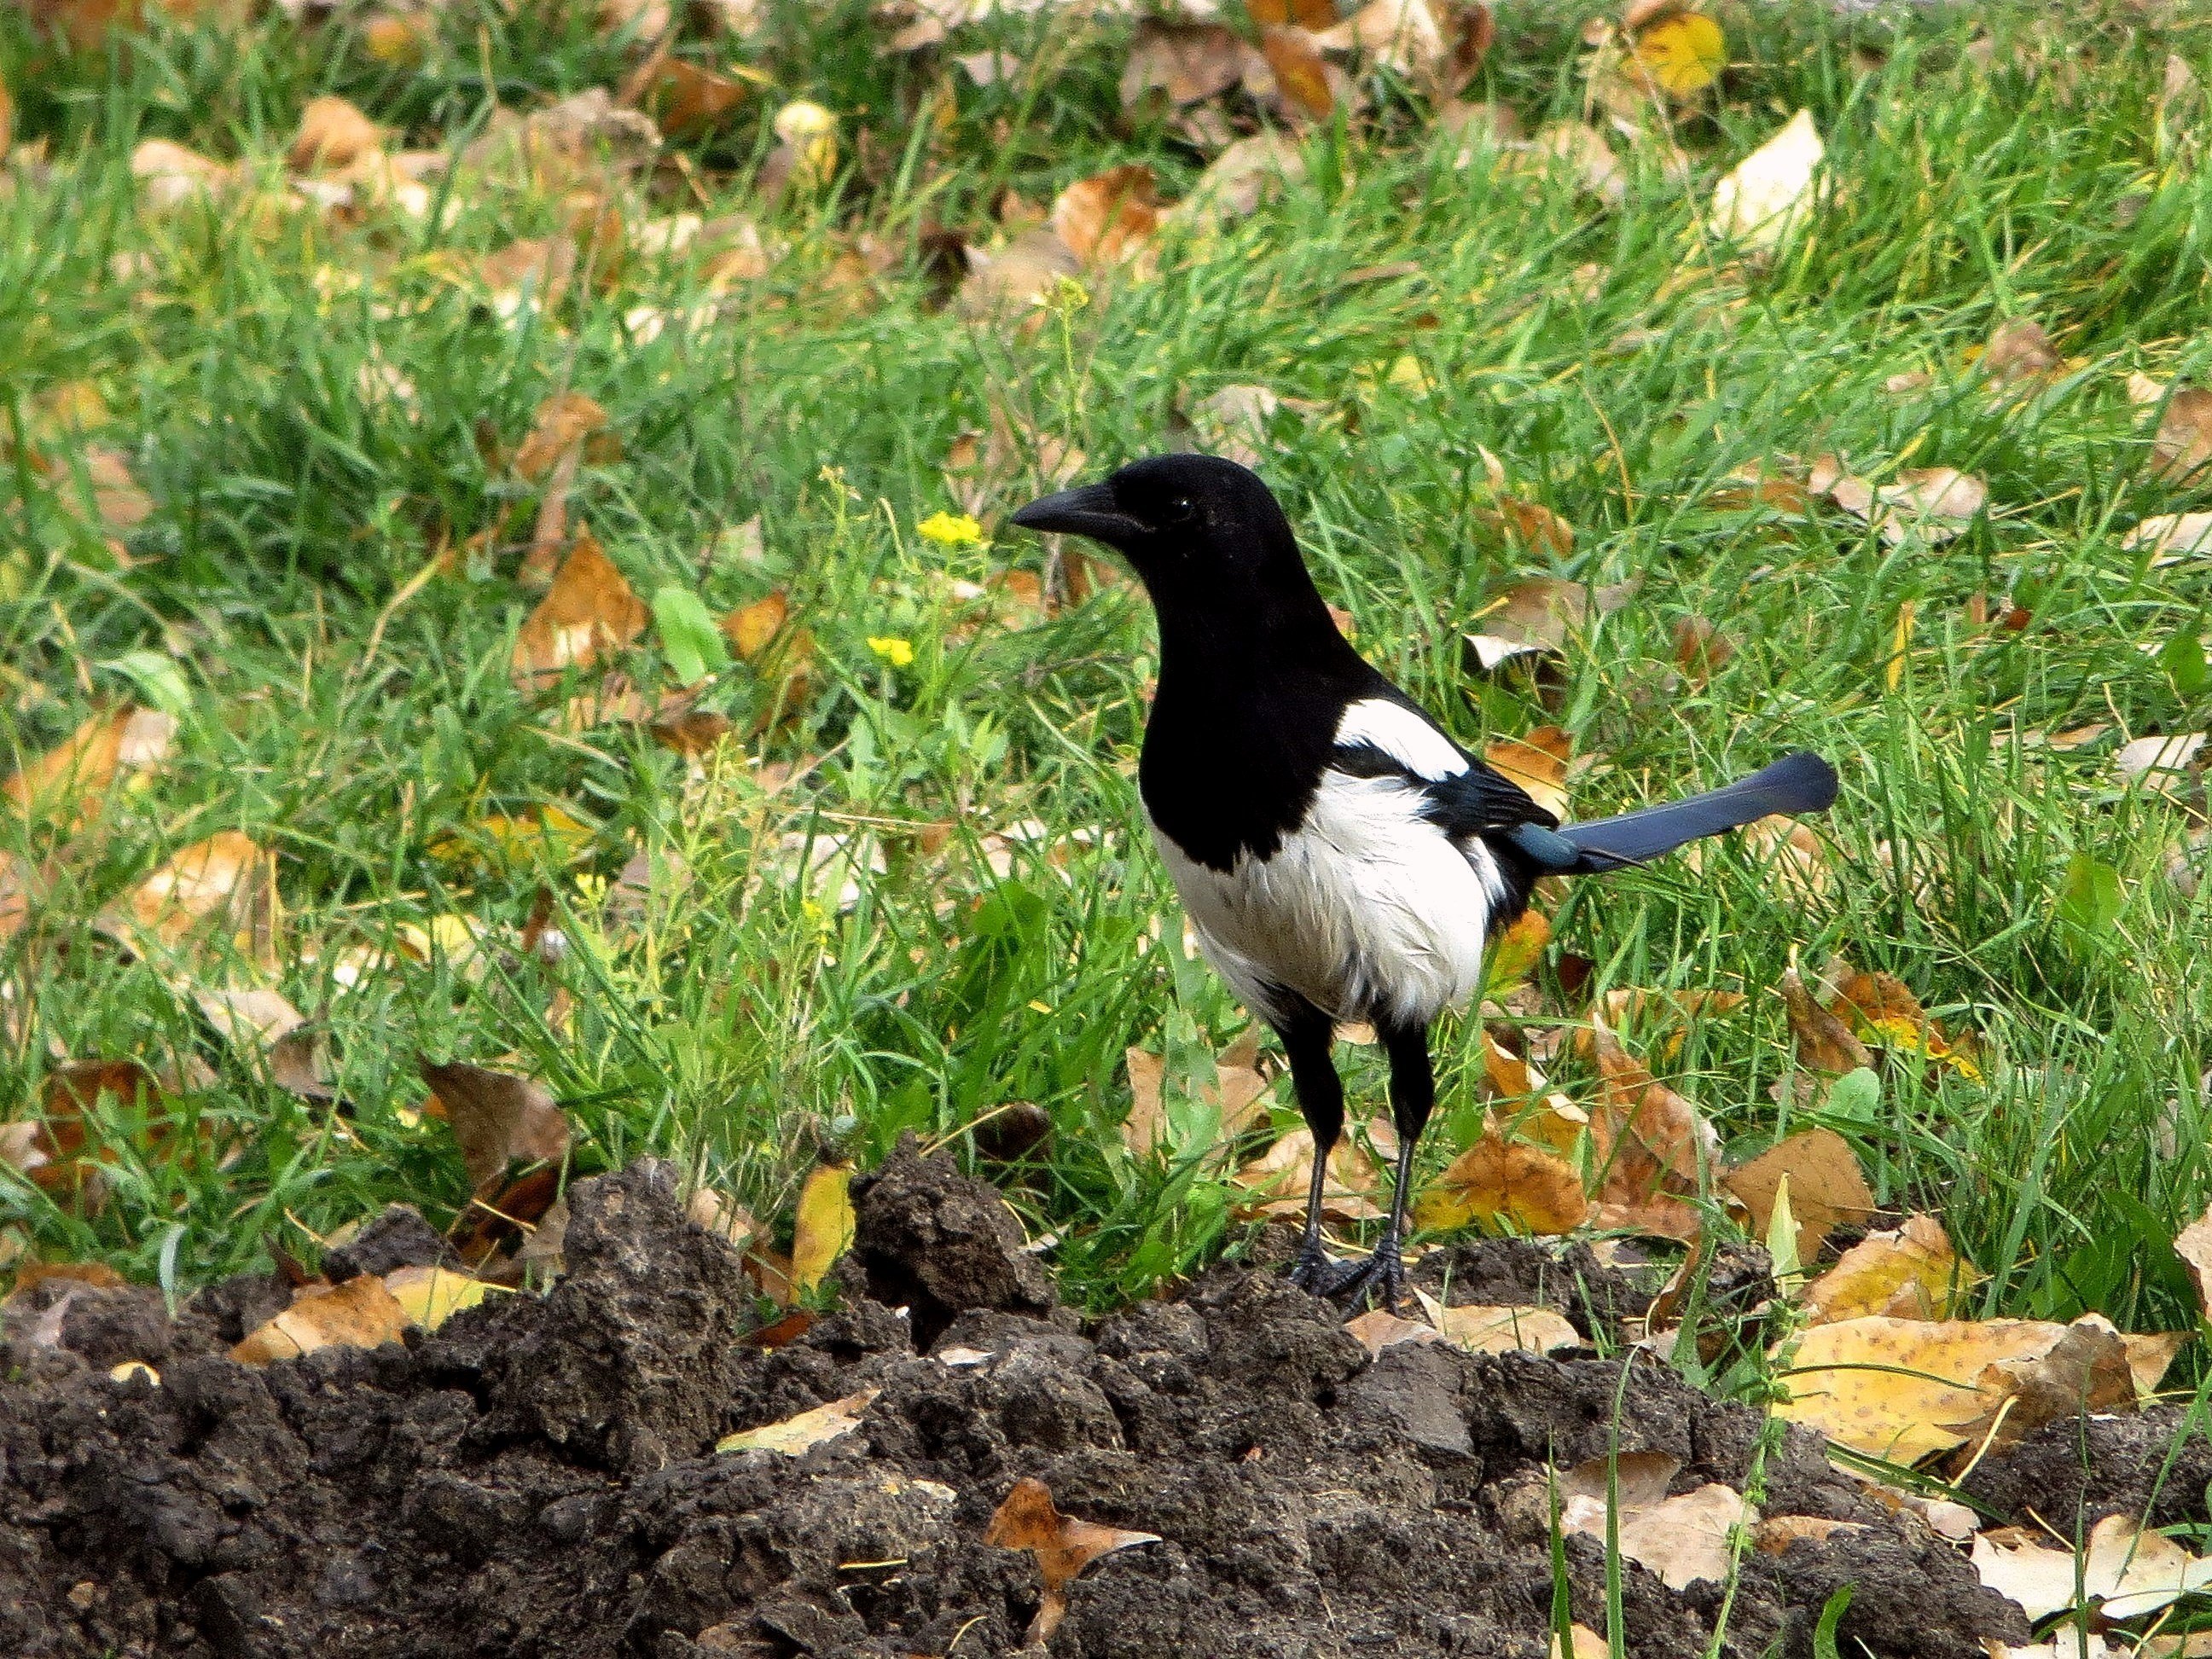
[(1198, 529)]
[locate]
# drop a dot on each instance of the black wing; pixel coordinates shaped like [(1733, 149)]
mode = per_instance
[(1462, 805)]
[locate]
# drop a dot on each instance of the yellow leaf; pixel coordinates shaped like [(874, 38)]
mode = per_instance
[(430, 1296), (1909, 1272), (1516, 952), (750, 627), (1501, 1182), (795, 1435), (1538, 763), (825, 1225), (1682, 54)]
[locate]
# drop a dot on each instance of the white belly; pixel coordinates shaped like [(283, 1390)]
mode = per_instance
[(1369, 912)]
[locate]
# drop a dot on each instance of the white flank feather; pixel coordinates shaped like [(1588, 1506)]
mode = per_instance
[(1404, 736)]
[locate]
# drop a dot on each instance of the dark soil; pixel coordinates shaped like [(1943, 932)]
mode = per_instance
[(538, 1478)]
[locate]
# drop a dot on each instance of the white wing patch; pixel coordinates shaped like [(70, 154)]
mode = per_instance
[(1367, 910), (1403, 735)]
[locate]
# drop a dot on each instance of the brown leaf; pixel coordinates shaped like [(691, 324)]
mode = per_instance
[(1503, 1182), (1681, 1539), (2182, 447), (1538, 763), (2088, 1369), (1063, 1546), (1476, 1328), (1302, 80), (2194, 1246), (358, 1314), (686, 100), (564, 421), (1701, 650), (496, 1117), (227, 881), (1280, 1177), (1824, 1043), (1648, 1140), (1934, 503), (1404, 36), (332, 134), (1187, 62), (590, 609), (1109, 216), (2018, 352), (1911, 1272), (1247, 173), (117, 502), (751, 627), (1827, 1190), (50, 1148), (1376, 1329), (66, 783)]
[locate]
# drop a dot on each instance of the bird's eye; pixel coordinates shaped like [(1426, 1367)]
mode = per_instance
[(1181, 510)]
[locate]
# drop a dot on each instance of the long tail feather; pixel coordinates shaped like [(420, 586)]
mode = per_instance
[(1800, 782)]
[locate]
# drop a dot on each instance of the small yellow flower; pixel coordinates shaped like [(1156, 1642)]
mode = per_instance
[(898, 652), (951, 530)]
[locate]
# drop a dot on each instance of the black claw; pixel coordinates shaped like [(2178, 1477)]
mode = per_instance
[(1382, 1271), (1321, 1275)]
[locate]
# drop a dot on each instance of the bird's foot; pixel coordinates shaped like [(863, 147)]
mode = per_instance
[(1321, 1274), (1383, 1272)]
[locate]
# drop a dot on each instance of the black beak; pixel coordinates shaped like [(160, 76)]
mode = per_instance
[(1090, 511)]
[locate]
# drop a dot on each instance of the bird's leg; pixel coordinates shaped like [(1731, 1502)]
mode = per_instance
[(1413, 1096), (1307, 1036)]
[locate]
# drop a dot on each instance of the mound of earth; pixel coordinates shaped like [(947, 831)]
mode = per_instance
[(538, 1478)]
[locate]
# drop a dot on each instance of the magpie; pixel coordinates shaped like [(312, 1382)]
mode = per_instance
[(1341, 859)]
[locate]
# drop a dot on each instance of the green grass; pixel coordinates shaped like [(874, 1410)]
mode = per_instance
[(744, 1027)]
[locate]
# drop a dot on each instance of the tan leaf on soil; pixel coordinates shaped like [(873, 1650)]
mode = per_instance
[(1377, 1329), (1481, 1329), (1682, 1539), (1902, 1389), (358, 1314), (1826, 1188), (796, 1436), (1775, 1535), (589, 609), (2129, 1571), (1062, 1545), (332, 134), (496, 1117), (1109, 216), (428, 1297), (1766, 196), (67, 781), (1910, 1272), (1538, 763), (1504, 1183), (825, 1226)]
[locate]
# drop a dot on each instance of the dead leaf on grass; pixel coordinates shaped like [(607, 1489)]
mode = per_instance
[(1826, 1188), (1908, 1271), (2020, 353), (1505, 1184), (1681, 1539), (332, 134), (2181, 448), (170, 175), (66, 783), (496, 1117), (1538, 763), (796, 1436), (50, 1147), (564, 421), (2171, 536), (1239, 1088), (1404, 36), (686, 100), (2160, 765), (1824, 1043), (590, 609), (1249, 172), (1934, 503), (1486, 1329), (1108, 217), (1063, 1546), (1649, 1140), (2194, 1246), (1763, 199), (1280, 1177), (1186, 63), (227, 882)]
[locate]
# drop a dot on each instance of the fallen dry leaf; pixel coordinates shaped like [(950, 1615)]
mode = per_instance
[(1485, 1329), (795, 1435), (1934, 503), (1882, 1010), (227, 881), (1680, 53), (1827, 1190), (686, 100), (170, 175), (1681, 1539), (2126, 1571), (358, 1314), (332, 134), (50, 1147), (590, 608), (825, 1225), (1901, 1388), (1824, 1043), (428, 1297), (66, 783), (2171, 536), (2090, 1368), (1063, 1546), (1404, 36), (2163, 765), (2182, 446), (1766, 196), (1299, 83), (2018, 352), (1249, 172), (1504, 1183), (1538, 763), (1110, 216), (1648, 1142), (1908, 1271), (1239, 1088), (2194, 1246), (565, 421), (1377, 1329), (496, 1117), (1280, 1177), (1186, 63)]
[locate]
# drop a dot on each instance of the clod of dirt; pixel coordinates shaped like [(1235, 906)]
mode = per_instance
[(400, 1237), (935, 1242), (537, 1477), (2154, 1466)]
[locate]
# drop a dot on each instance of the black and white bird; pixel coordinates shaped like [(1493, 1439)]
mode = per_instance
[(1342, 859)]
